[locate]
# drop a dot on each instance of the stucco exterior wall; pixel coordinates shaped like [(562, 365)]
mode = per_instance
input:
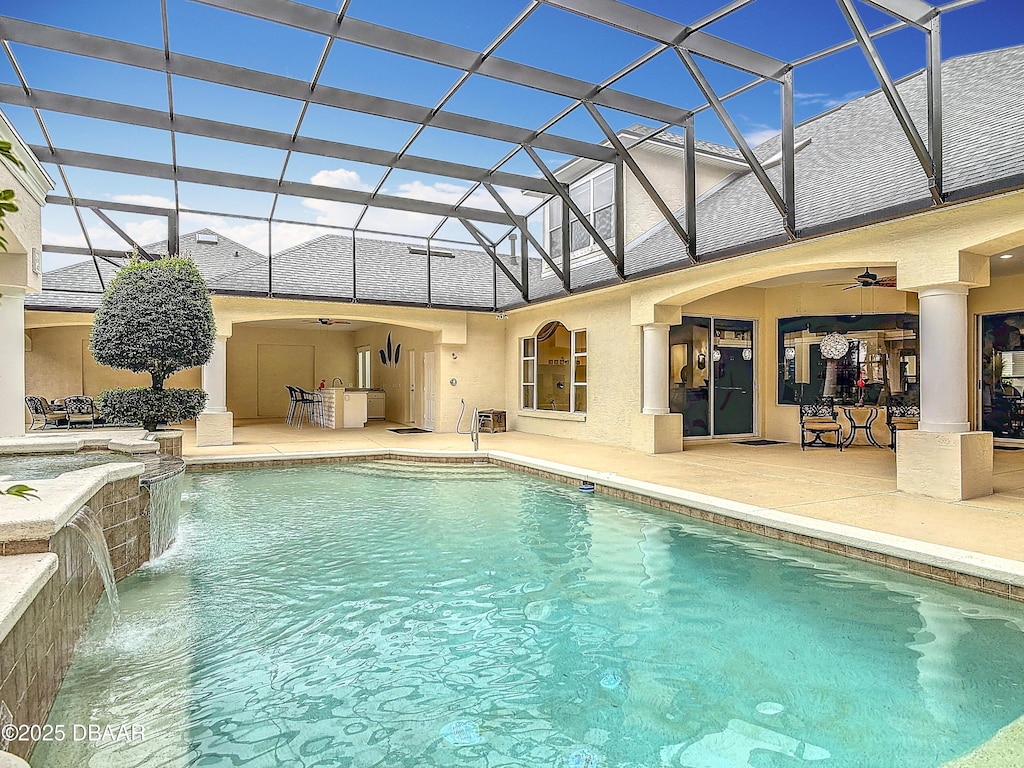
[(59, 364), (333, 354), (666, 173), (394, 379), (613, 369)]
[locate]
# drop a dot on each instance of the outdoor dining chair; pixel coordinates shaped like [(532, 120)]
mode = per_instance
[(819, 419), (43, 413)]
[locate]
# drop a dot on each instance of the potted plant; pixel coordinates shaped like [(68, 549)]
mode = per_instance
[(155, 317)]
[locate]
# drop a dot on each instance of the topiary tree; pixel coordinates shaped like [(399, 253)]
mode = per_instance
[(155, 317)]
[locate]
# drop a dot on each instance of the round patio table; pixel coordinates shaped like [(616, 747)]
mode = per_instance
[(872, 414)]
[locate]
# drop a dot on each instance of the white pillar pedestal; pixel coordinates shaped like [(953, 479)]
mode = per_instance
[(215, 425), (655, 371), (953, 466), (942, 458), (12, 371)]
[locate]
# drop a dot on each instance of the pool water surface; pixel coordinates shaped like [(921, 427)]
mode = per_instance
[(409, 616)]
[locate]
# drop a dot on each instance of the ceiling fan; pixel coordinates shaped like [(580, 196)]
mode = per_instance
[(327, 321), (869, 279)]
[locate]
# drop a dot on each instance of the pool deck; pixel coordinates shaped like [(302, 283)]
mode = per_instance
[(856, 487)]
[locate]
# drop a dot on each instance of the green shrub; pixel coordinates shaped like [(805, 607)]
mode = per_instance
[(149, 407), (155, 317)]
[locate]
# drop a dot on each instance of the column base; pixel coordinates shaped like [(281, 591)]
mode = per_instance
[(952, 466), (215, 429), (660, 434)]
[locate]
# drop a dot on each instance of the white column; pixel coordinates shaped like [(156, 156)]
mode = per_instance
[(215, 425), (942, 366), (215, 377), (12, 369), (655, 371)]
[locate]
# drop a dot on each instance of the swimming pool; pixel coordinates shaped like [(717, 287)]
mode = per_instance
[(385, 614)]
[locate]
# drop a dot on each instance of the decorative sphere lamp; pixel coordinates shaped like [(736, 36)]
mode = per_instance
[(834, 346)]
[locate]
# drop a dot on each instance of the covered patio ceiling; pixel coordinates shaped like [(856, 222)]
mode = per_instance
[(478, 159)]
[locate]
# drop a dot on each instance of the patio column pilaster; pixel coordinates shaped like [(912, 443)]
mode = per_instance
[(655, 369), (215, 425), (943, 458), (943, 358), (12, 352)]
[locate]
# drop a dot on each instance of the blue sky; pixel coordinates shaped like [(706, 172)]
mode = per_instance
[(550, 39)]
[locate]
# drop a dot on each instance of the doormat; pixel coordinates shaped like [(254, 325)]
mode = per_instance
[(408, 430), (760, 442), (1009, 447)]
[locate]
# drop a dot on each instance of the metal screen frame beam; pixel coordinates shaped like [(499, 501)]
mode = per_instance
[(144, 57), (124, 235), (321, 22), (259, 184), (567, 203), (913, 12), (737, 137), (672, 33), (899, 107), (641, 177), (690, 189), (521, 223), (491, 251)]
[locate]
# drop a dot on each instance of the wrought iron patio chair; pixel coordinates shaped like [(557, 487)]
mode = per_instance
[(901, 415), (81, 410), (43, 413), (819, 419)]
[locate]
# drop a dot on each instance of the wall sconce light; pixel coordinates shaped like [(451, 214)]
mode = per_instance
[(454, 356), (716, 355), (791, 353), (747, 353), (702, 360)]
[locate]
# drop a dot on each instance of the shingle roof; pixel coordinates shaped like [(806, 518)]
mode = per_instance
[(387, 271), (855, 165), (675, 138), (858, 163)]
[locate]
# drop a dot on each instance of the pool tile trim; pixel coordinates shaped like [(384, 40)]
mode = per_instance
[(23, 577), (983, 573)]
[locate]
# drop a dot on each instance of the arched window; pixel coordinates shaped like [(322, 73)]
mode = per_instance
[(554, 369)]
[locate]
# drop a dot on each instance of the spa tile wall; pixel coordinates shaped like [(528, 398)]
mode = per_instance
[(37, 651)]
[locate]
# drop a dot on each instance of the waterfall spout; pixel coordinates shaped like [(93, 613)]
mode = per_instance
[(88, 524), (165, 479)]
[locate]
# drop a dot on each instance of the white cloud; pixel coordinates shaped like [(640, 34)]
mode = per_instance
[(826, 100), (760, 135), (156, 201), (341, 178)]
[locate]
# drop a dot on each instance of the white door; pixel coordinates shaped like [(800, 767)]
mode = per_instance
[(412, 387), (428, 391)]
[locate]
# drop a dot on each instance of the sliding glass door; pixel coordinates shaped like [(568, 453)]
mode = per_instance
[(1002, 375), (712, 376)]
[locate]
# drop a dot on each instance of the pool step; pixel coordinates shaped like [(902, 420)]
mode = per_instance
[(412, 470)]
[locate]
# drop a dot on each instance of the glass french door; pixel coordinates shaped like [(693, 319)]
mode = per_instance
[(712, 380), (1001, 385)]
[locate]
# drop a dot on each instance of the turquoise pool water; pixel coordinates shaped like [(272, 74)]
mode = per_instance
[(46, 465), (390, 615)]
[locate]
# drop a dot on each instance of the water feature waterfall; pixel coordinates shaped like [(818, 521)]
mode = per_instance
[(165, 481), (88, 524)]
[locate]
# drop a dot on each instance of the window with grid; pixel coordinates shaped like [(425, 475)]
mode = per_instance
[(554, 370), (595, 197)]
